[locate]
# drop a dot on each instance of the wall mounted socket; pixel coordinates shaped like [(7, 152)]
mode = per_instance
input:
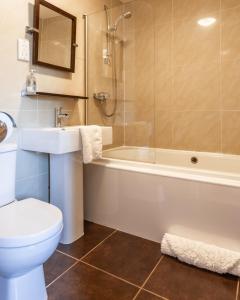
[(23, 50)]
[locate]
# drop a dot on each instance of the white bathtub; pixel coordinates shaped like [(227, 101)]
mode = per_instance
[(147, 192)]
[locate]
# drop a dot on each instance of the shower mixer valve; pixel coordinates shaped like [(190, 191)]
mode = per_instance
[(101, 96)]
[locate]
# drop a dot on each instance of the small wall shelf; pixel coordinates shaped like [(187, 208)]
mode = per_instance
[(76, 97)]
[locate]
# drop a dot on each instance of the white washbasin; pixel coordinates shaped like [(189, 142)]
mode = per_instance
[(57, 140)]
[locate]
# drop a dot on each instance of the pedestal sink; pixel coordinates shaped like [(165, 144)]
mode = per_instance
[(66, 171)]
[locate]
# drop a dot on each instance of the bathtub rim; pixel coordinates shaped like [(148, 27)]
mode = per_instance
[(186, 173), (189, 152)]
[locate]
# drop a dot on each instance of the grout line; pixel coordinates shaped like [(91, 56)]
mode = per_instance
[(220, 79), (78, 259), (31, 177), (172, 78), (150, 292), (110, 274), (230, 8), (62, 274), (146, 280), (98, 245), (160, 259), (68, 255), (238, 289)]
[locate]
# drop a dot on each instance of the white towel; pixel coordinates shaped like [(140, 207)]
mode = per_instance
[(91, 142), (201, 255)]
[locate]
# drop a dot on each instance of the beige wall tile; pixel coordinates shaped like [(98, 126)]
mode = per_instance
[(229, 3), (231, 85), (130, 85), (230, 34), (194, 8), (145, 89), (163, 129), (142, 14), (144, 104), (230, 132), (78, 113), (163, 88), (194, 43), (118, 136), (144, 49), (196, 130), (139, 134), (196, 87), (163, 44), (162, 11), (144, 81), (93, 112)]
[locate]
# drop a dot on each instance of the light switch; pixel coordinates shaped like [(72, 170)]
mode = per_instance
[(23, 50)]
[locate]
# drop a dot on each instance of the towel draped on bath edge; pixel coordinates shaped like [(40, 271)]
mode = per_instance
[(91, 142)]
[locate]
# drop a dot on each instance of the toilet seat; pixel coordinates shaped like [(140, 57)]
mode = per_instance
[(27, 222)]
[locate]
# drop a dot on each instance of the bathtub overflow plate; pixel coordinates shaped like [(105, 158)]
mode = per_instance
[(194, 160)]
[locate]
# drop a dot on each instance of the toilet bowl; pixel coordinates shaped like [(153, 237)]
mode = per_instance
[(30, 231)]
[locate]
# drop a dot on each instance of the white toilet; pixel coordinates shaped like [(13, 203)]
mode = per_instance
[(30, 231)]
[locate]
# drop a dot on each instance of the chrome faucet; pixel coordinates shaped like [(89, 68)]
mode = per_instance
[(59, 115)]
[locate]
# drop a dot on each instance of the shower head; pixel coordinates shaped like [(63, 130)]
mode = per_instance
[(126, 15)]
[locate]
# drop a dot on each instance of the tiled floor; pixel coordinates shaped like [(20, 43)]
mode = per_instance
[(110, 265)]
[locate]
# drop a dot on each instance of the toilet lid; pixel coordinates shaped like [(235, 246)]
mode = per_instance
[(28, 222)]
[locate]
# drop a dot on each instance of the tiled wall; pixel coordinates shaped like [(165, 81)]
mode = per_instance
[(32, 168), (182, 80)]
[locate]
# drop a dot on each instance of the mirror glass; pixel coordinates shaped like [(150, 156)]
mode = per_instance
[(54, 45), (54, 38)]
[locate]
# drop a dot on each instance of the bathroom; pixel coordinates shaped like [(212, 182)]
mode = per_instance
[(151, 211)]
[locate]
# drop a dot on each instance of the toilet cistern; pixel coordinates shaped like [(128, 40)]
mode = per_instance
[(59, 116)]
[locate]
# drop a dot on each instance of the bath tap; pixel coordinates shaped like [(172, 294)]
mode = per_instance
[(59, 115)]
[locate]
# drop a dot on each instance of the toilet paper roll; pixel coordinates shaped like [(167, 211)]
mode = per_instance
[(9, 125)]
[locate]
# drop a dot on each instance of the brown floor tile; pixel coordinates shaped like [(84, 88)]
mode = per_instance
[(147, 296), (126, 256), (85, 283), (94, 234), (178, 281), (56, 265)]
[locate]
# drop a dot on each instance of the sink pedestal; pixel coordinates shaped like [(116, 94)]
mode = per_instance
[(66, 192)]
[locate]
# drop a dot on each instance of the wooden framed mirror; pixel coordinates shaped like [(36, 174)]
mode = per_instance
[(54, 40)]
